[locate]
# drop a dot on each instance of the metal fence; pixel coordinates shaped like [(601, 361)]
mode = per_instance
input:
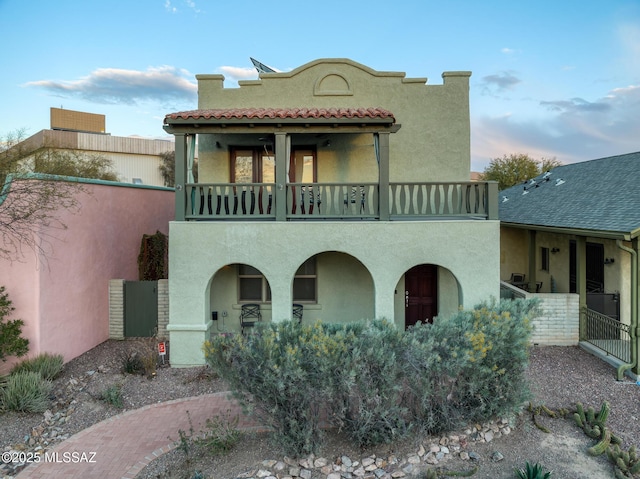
[(606, 333)]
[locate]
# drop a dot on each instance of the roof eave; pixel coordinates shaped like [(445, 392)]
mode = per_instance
[(622, 235)]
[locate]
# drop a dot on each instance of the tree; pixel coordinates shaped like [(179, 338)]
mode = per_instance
[(516, 168), (32, 195), (11, 341), (168, 169)]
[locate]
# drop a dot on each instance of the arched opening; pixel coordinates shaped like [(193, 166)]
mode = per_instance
[(425, 292), (335, 287), (233, 286)]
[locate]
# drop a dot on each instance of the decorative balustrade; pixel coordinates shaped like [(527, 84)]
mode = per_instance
[(332, 200), (250, 201), (439, 199)]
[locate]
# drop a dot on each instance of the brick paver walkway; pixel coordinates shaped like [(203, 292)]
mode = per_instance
[(121, 446)]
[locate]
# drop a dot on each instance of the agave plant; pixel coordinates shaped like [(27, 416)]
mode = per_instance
[(532, 471)]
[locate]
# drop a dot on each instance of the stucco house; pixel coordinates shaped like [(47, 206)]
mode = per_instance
[(335, 187), (575, 230)]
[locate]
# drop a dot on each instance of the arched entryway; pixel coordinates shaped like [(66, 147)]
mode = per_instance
[(421, 294)]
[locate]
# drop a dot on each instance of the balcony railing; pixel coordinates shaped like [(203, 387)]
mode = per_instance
[(341, 201)]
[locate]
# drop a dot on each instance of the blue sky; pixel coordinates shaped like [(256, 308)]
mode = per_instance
[(549, 78)]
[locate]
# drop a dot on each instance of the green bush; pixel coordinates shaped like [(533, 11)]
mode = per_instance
[(113, 395), (469, 367), (26, 391), (222, 435), (366, 387), (11, 341), (280, 370), (48, 365), (375, 381)]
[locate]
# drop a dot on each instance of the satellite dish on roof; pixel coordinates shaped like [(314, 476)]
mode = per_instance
[(261, 67)]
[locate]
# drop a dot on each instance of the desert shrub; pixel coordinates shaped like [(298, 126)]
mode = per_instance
[(26, 391), (48, 365), (375, 380), (141, 359), (113, 395), (366, 387), (131, 363), (222, 434), (11, 341), (280, 370), (470, 366)]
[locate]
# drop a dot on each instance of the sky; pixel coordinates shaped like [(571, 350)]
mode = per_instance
[(551, 79)]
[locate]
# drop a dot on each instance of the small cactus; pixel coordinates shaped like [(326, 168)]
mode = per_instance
[(626, 463)]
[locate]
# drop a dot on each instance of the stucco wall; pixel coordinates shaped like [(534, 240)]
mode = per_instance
[(432, 144), (64, 298), (467, 249)]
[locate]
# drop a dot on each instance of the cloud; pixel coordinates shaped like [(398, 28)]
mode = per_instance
[(508, 51), (118, 86), (499, 82), (239, 73), (575, 105), (572, 130)]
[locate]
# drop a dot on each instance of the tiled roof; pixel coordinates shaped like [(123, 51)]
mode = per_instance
[(283, 113), (599, 195)]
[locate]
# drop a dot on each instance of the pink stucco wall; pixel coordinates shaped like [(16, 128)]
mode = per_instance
[(64, 299)]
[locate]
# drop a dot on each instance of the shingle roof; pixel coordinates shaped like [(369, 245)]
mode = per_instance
[(600, 195), (283, 113)]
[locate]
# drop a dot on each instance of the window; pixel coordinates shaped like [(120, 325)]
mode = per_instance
[(544, 259), (253, 286), (304, 283), (253, 165)]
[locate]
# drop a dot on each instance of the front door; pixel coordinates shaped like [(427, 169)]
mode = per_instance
[(421, 294)]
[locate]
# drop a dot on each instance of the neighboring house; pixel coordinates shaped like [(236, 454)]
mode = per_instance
[(135, 160), (575, 230), (334, 186), (63, 295)]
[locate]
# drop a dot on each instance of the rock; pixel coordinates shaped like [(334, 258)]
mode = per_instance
[(474, 456), (346, 461), (305, 474), (497, 456), (488, 436), (320, 462)]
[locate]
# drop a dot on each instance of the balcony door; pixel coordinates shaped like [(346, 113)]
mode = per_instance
[(253, 165), (421, 294)]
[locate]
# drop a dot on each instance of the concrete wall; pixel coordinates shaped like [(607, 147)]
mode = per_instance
[(64, 297)]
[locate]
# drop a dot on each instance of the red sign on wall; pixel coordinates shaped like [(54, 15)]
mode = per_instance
[(161, 349)]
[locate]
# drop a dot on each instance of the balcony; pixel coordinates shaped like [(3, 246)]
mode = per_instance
[(338, 201)]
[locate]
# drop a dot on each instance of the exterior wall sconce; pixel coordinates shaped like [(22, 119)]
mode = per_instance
[(609, 261), (555, 250)]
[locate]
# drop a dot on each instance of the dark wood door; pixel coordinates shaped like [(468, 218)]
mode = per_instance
[(421, 294)]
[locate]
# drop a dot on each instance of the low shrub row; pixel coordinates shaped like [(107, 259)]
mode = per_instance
[(375, 381)]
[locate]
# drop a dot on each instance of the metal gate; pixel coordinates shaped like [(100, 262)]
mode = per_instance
[(140, 309)]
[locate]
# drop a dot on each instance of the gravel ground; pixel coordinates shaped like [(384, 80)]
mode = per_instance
[(559, 376)]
